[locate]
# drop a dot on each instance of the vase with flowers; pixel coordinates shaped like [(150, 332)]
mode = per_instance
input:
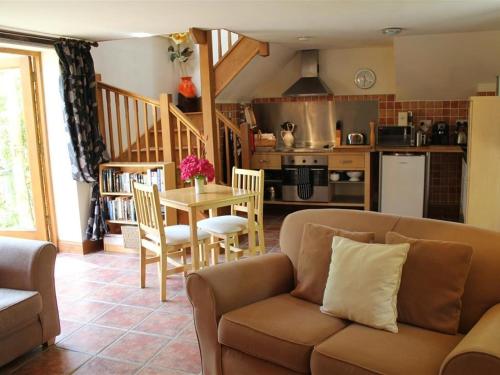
[(180, 51), (197, 170)]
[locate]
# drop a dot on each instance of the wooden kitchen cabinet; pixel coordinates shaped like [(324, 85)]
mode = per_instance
[(344, 161), (265, 161)]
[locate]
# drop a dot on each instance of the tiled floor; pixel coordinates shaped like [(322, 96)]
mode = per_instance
[(111, 326)]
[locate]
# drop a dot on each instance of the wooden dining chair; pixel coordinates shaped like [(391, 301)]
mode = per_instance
[(165, 242), (228, 228)]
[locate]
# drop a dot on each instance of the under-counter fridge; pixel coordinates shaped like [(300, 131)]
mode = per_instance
[(403, 184)]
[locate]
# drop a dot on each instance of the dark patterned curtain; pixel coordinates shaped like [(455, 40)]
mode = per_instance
[(86, 147)]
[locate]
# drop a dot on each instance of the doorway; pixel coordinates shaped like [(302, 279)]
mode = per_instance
[(24, 200)]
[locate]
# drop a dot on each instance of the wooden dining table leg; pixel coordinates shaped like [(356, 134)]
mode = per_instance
[(195, 250), (251, 226)]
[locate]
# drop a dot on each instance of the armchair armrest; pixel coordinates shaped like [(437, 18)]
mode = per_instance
[(479, 350), (29, 265), (216, 290)]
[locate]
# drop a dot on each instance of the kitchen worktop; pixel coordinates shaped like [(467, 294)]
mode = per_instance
[(367, 148)]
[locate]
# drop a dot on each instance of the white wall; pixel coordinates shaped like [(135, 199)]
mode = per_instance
[(141, 65), (446, 66), (337, 68)]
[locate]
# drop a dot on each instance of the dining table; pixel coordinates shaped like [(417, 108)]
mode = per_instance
[(214, 196)]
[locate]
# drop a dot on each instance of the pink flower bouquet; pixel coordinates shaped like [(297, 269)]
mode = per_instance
[(194, 168)]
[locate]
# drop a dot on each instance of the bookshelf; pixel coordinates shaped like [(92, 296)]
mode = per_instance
[(115, 186)]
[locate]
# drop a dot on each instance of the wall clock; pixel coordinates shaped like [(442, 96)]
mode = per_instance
[(365, 78)]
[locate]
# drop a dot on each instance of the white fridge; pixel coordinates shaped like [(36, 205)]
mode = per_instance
[(403, 184)]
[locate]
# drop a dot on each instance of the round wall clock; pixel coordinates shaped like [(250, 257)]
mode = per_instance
[(365, 78)]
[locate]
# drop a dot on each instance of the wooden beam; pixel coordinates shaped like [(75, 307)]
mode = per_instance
[(199, 36), (207, 79), (234, 61), (264, 49)]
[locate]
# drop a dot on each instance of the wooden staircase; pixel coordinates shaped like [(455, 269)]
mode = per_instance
[(142, 129)]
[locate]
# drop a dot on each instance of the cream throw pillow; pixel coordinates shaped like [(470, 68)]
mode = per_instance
[(363, 282)]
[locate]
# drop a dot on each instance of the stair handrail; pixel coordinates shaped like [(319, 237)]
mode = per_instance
[(186, 121), (227, 122), (130, 94)]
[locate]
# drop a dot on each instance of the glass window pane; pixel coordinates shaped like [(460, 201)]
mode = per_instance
[(16, 199)]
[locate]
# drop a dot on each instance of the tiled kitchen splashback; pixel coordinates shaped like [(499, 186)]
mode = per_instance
[(434, 110)]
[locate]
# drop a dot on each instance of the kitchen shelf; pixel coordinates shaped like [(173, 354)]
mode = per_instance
[(346, 182), (349, 200), (338, 203)]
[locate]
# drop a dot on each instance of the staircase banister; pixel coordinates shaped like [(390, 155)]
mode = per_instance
[(102, 85), (185, 120), (227, 122)]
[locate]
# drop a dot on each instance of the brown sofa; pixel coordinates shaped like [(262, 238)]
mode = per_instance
[(247, 322), (28, 305)]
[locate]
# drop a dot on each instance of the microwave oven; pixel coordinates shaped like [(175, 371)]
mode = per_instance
[(395, 136)]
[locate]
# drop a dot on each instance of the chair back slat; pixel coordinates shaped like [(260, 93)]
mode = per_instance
[(252, 180), (148, 210)]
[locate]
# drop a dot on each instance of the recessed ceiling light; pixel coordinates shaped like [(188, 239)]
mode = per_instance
[(304, 38), (140, 35), (391, 30)]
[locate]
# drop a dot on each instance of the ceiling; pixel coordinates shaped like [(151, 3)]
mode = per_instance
[(335, 24)]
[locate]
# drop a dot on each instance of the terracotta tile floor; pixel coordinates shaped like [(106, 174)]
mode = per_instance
[(111, 326)]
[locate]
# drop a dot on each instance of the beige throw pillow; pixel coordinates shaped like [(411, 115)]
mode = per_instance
[(363, 282)]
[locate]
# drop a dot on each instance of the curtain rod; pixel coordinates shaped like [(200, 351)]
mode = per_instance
[(34, 38)]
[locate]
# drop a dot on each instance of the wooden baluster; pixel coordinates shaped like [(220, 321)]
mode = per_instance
[(235, 150), (167, 128), (118, 124), (245, 145), (155, 127), (198, 147), (127, 122), (137, 130), (228, 160), (179, 139), (229, 44), (188, 136), (219, 44), (110, 125), (146, 130)]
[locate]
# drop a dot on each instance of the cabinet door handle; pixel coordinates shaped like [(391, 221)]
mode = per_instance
[(262, 161), (346, 161)]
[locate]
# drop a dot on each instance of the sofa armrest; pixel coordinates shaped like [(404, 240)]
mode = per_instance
[(29, 265), (479, 350), (216, 290)]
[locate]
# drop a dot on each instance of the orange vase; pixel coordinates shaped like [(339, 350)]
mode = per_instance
[(187, 87)]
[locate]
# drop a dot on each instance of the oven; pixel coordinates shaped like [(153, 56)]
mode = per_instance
[(305, 178)]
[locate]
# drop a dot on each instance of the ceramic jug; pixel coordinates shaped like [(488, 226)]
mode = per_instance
[(287, 134)]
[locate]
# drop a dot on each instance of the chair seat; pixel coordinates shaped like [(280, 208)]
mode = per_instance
[(282, 330), (360, 350), (18, 308), (179, 234), (224, 224)]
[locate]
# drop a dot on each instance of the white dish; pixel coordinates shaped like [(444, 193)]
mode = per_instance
[(354, 176)]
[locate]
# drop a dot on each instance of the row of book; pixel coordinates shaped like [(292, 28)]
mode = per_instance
[(120, 208), (116, 181)]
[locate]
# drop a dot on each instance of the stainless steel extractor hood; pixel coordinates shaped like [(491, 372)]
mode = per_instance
[(309, 83)]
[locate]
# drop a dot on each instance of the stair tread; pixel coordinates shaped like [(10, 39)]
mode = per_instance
[(144, 149)]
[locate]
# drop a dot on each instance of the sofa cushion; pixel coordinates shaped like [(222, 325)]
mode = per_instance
[(282, 330), (17, 309), (314, 259), (432, 284), (362, 350), (363, 282)]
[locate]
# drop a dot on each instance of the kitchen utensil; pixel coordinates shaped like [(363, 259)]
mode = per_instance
[(461, 133), (354, 176), (287, 133), (355, 139), (419, 138)]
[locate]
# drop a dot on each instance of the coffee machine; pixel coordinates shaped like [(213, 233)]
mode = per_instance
[(440, 133)]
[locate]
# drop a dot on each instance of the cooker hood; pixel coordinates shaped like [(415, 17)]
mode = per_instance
[(309, 83)]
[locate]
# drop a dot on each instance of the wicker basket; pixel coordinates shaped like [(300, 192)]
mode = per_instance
[(131, 238)]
